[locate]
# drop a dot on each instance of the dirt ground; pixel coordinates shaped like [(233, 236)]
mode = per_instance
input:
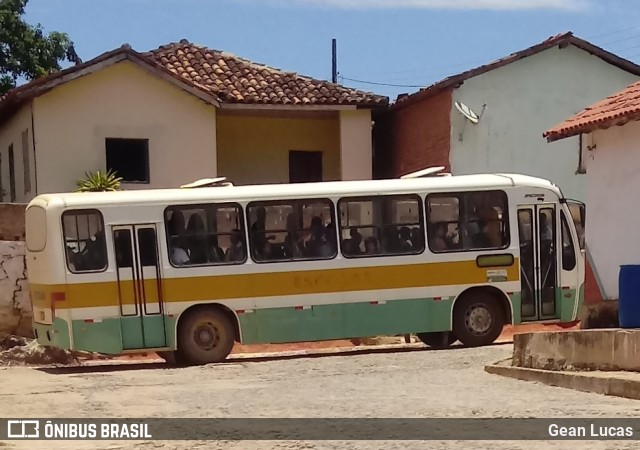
[(421, 383)]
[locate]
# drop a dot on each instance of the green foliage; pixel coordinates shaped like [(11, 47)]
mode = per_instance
[(99, 181), (25, 51)]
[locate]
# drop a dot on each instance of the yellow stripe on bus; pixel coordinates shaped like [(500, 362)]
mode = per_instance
[(274, 284)]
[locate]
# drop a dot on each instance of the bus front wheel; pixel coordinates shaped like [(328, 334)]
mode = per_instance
[(205, 335), (478, 319)]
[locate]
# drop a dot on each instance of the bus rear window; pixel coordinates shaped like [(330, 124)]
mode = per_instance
[(36, 228), (84, 241)]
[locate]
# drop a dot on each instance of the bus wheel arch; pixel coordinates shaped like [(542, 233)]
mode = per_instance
[(206, 333), (479, 315)]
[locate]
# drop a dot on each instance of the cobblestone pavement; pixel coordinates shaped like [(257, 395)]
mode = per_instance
[(448, 383)]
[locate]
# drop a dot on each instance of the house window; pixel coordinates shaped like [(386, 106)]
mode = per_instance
[(467, 221), (129, 159), (381, 226), (25, 161), (305, 167), (12, 176)]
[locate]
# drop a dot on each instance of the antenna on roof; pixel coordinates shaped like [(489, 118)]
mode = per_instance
[(429, 171), (208, 182), (468, 114)]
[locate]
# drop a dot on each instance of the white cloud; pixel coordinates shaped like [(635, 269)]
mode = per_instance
[(503, 5)]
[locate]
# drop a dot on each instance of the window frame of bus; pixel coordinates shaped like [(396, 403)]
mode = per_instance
[(461, 194), (78, 212), (366, 198), (243, 232), (264, 203)]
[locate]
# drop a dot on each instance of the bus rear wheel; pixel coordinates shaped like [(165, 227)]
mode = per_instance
[(438, 340), (205, 335), (478, 319)]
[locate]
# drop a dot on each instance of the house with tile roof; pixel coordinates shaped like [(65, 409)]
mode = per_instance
[(513, 100), (179, 113), (610, 130)]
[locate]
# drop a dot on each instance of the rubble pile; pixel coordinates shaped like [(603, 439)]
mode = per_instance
[(17, 350)]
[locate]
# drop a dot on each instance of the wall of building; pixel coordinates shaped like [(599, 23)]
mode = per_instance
[(12, 221), (122, 101), (356, 145), (613, 181), (255, 149), (15, 306), (17, 131), (524, 99), (413, 137)]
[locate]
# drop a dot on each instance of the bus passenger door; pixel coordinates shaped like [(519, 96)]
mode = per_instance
[(537, 227), (139, 286)]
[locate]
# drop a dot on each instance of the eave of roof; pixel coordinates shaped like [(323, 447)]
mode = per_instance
[(615, 110), (561, 40), (21, 95)]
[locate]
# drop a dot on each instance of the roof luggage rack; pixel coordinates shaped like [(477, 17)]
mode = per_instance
[(208, 182), (428, 172)]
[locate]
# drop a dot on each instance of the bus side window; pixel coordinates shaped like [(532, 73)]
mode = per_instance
[(205, 234), (381, 225), (467, 221), (568, 251), (84, 238)]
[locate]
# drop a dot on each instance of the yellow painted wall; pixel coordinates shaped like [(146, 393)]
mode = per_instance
[(123, 101), (254, 150), (11, 133)]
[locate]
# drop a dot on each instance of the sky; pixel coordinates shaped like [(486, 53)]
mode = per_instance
[(384, 46)]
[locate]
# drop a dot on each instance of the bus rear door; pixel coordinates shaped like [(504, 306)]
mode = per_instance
[(139, 286)]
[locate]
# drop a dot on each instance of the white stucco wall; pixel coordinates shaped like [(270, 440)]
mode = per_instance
[(613, 183), (15, 306), (122, 101), (355, 145), (524, 99), (11, 134)]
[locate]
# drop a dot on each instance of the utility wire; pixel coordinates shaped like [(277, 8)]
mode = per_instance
[(383, 84)]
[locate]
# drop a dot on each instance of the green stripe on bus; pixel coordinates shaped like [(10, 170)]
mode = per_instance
[(338, 321), (58, 333)]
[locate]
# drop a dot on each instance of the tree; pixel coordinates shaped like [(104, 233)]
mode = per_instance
[(25, 51)]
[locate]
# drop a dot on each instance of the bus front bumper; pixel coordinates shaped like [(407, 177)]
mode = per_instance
[(53, 335)]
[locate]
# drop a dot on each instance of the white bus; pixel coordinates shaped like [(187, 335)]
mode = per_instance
[(188, 272)]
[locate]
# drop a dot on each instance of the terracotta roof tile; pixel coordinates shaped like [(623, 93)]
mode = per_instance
[(237, 80), (617, 109)]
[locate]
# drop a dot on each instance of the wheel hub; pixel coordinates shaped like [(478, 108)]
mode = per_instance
[(478, 319), (206, 336)]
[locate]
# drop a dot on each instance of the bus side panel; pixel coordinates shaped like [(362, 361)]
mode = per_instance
[(339, 321)]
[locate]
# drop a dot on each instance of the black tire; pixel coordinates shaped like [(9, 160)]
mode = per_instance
[(205, 335), (438, 340), (478, 319), (172, 358)]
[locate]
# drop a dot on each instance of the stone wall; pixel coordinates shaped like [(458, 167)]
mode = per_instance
[(12, 221), (15, 305)]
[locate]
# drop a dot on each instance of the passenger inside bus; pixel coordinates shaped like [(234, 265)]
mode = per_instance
[(235, 252), (351, 247), (371, 246), (438, 242), (258, 236), (196, 240)]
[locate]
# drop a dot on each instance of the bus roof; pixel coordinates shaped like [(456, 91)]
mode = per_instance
[(301, 190)]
